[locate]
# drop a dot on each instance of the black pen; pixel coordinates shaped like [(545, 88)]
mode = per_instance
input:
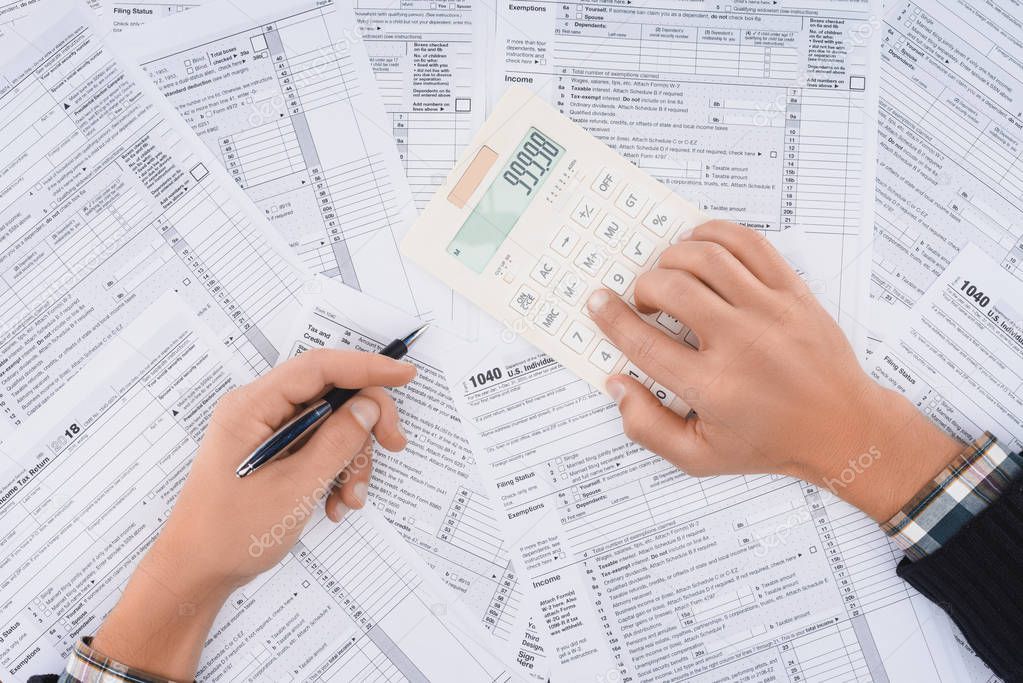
[(311, 418)]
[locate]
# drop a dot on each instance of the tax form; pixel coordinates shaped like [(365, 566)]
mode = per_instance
[(107, 200), (959, 357), (349, 602), (285, 98), (421, 53), (951, 136), (641, 573), (431, 492), (758, 113)]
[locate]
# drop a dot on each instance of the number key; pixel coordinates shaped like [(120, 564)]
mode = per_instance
[(578, 337), (618, 278), (606, 356)]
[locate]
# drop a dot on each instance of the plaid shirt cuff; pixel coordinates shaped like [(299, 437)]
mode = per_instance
[(957, 494), (89, 666)]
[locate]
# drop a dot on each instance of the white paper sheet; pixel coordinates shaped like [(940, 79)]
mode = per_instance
[(284, 96), (641, 573), (959, 357), (949, 164), (422, 57), (108, 200), (431, 491), (762, 115), (350, 601)]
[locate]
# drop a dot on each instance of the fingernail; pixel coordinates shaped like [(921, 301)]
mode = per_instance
[(338, 509), (360, 491), (616, 390), (365, 412), (598, 300), (685, 235)]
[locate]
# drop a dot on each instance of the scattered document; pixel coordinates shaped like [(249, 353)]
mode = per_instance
[(350, 602), (959, 357), (107, 200), (422, 58), (638, 572), (951, 136), (431, 491), (422, 55), (285, 98), (763, 116)]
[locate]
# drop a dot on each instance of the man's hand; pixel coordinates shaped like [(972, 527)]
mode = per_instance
[(775, 385), (224, 531)]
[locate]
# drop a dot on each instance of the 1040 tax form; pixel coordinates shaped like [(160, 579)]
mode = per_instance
[(638, 572), (762, 115)]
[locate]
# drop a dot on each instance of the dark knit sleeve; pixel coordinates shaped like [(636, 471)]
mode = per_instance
[(977, 578)]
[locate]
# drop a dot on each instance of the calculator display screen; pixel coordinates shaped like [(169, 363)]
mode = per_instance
[(504, 202)]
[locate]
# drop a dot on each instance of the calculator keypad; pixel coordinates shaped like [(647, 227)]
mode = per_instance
[(611, 234)]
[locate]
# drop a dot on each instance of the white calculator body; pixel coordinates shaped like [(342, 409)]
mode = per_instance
[(538, 214)]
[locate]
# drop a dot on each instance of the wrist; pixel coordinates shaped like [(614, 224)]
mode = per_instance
[(889, 452), (163, 618)]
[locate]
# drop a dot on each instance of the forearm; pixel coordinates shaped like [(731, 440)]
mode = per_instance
[(163, 617), (889, 451)]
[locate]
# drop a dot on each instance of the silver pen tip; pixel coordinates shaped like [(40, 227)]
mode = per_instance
[(413, 336), (243, 471)]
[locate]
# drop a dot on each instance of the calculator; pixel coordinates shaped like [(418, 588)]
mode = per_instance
[(535, 216)]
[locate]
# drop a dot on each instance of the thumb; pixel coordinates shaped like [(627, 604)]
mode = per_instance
[(335, 442), (656, 427)]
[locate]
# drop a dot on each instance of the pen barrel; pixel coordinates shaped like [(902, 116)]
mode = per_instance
[(395, 350), (287, 435)]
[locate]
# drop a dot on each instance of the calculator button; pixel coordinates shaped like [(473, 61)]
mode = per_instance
[(663, 394), (586, 212), (524, 300), (565, 241), (631, 202), (692, 340), (610, 231), (659, 220), (578, 337), (605, 183), (590, 259), (639, 249), (550, 318), (632, 370), (571, 288), (606, 356), (545, 271), (669, 323), (618, 278)]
